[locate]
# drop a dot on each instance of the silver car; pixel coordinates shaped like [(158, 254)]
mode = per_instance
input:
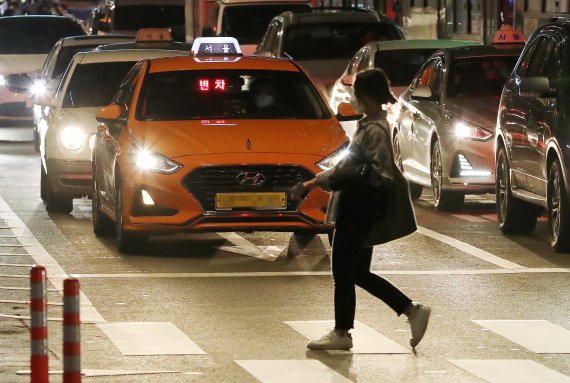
[(444, 123)]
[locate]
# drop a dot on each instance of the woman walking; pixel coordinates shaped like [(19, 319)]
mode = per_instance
[(359, 199)]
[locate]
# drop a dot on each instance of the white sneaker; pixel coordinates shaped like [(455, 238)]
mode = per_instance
[(334, 340), (419, 318)]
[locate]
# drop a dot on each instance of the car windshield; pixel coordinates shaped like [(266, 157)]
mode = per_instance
[(480, 76), (65, 55), (135, 17), (229, 94), (334, 41), (34, 36), (247, 23), (95, 84), (401, 65)]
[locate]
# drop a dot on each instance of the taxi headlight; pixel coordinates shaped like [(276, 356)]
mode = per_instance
[(38, 88), (72, 138), (471, 132), (333, 159), (155, 162), (2, 80)]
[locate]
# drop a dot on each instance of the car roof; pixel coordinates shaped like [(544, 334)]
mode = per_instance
[(228, 2), (419, 44), (169, 64), (483, 50), (145, 2), (36, 18), (333, 16), (124, 55), (94, 40), (169, 45)]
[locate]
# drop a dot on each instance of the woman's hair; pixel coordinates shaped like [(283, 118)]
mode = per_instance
[(374, 83)]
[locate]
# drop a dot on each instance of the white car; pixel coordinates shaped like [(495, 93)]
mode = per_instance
[(55, 65), (66, 140), (26, 42)]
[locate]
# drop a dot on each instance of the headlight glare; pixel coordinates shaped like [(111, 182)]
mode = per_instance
[(155, 162), (38, 88), (334, 158), (471, 132), (72, 138), (2, 80)]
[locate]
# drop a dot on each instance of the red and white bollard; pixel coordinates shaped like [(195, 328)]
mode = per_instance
[(71, 332), (38, 313)]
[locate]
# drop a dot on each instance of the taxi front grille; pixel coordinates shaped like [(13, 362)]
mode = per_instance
[(205, 182)]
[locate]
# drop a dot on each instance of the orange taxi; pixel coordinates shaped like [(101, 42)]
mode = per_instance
[(212, 142)]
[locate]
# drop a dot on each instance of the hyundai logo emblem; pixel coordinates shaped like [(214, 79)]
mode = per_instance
[(250, 179)]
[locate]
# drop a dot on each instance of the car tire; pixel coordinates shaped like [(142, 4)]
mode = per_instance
[(444, 200), (514, 216), (416, 190), (558, 216), (127, 241), (102, 225), (54, 203)]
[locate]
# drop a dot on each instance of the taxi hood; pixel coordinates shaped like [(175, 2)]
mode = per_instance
[(479, 111), (183, 138)]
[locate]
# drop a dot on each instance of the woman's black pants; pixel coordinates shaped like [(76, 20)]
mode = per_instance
[(350, 267)]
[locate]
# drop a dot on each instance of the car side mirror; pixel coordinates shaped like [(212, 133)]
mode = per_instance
[(19, 83), (347, 113), (109, 114), (535, 87), (422, 93), (347, 80)]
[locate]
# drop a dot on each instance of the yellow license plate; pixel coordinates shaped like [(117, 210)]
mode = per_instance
[(259, 201)]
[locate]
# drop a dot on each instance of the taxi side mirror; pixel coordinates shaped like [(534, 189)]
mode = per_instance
[(109, 114), (347, 80), (422, 93), (536, 87), (347, 113)]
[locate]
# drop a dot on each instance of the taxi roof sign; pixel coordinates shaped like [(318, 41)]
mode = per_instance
[(216, 46), (148, 35), (508, 35)]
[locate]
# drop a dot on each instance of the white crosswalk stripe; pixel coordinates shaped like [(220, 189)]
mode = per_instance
[(509, 371), (286, 371)]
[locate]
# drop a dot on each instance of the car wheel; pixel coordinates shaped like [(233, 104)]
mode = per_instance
[(514, 216), (127, 242), (558, 219), (54, 203), (102, 225), (415, 190), (444, 200)]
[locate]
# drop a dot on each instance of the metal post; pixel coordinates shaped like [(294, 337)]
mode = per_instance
[(39, 331), (71, 332)]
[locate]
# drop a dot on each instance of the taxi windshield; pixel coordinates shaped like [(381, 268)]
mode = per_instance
[(334, 40), (480, 76), (401, 65), (95, 84), (65, 56), (229, 94)]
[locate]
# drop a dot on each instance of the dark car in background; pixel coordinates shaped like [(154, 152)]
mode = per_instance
[(532, 146)]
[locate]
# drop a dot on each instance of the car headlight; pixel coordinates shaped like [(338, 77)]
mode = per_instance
[(2, 80), (72, 138), (471, 132), (155, 162), (38, 88), (334, 158)]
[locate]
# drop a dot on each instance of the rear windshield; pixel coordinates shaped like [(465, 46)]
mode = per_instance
[(95, 84), (401, 65), (480, 76), (247, 23), (229, 94), (134, 17), (35, 36), (334, 41)]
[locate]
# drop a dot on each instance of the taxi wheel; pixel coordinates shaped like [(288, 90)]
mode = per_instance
[(416, 190), (514, 216), (127, 242), (558, 218), (444, 200), (102, 225), (54, 203)]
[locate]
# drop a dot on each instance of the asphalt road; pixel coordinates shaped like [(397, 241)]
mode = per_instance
[(238, 307)]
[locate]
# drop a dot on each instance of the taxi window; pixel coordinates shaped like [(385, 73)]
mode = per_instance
[(229, 94), (480, 76), (95, 84), (334, 41)]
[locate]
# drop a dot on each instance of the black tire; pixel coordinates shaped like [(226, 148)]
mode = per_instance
[(558, 215), (415, 190), (54, 203), (443, 200), (102, 225), (127, 242), (514, 216)]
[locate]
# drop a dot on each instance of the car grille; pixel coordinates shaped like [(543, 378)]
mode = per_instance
[(205, 182)]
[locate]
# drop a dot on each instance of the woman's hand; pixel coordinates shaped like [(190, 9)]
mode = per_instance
[(300, 191)]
